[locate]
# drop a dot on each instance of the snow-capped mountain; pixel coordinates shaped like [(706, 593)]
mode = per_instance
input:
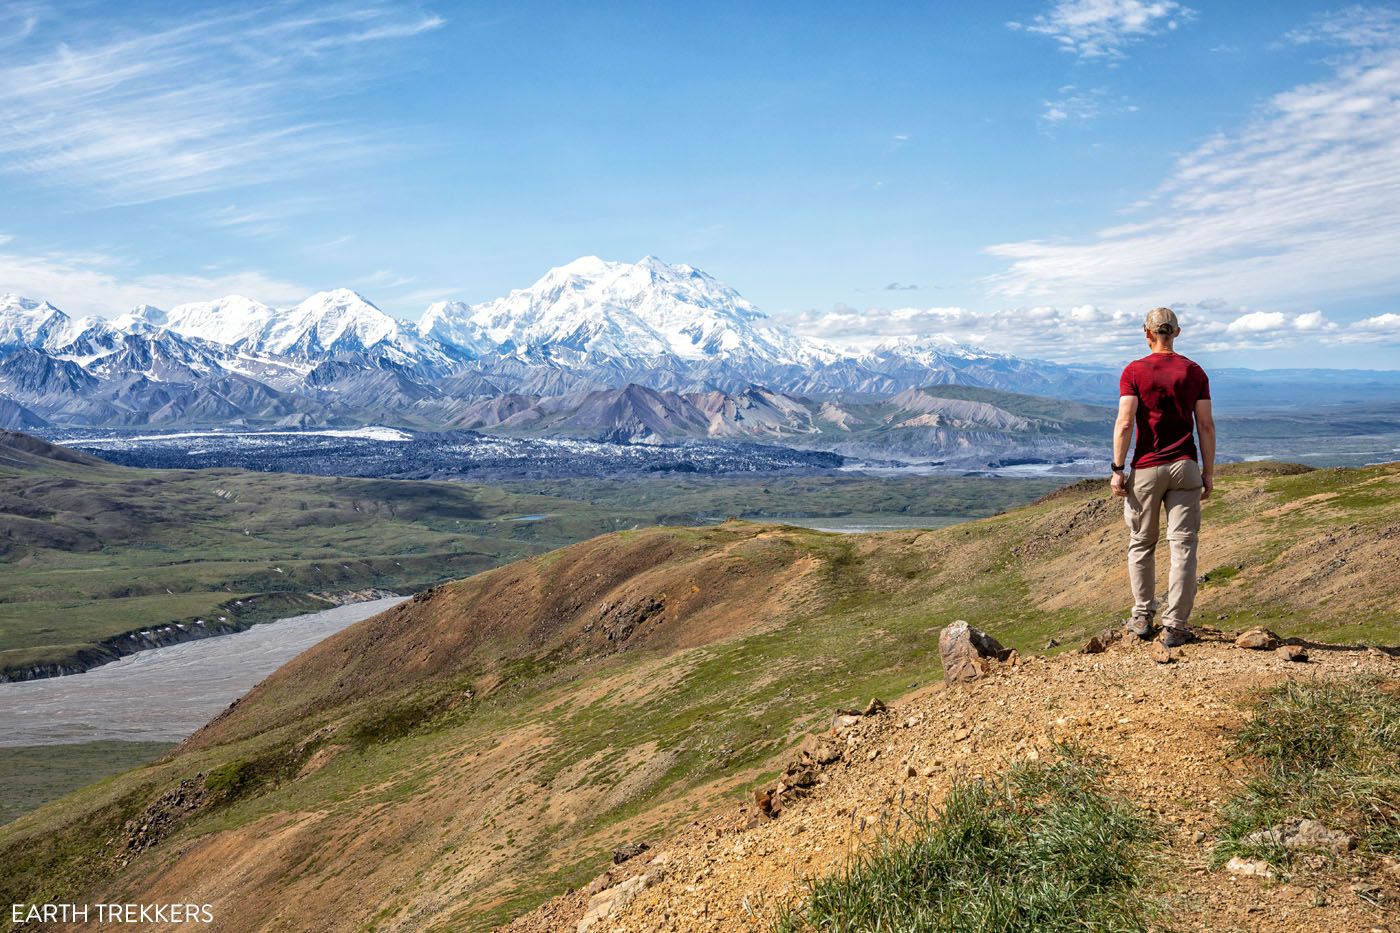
[(28, 323), (232, 320), (648, 312), (337, 321), (582, 331), (327, 324), (41, 326)]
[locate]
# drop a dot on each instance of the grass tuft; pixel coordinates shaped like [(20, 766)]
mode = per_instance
[(1040, 848), (1328, 751)]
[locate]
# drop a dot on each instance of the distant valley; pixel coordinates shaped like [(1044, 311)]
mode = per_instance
[(106, 560)]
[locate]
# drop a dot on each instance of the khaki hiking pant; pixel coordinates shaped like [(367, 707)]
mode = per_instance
[(1177, 486)]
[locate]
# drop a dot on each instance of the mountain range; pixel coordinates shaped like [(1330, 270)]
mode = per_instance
[(637, 351), (585, 327)]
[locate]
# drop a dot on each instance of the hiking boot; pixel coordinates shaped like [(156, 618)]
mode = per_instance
[(1141, 626), (1176, 637)]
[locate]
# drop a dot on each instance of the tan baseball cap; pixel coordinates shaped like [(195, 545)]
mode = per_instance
[(1163, 321)]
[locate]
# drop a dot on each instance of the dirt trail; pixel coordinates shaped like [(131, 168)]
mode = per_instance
[(1164, 728)]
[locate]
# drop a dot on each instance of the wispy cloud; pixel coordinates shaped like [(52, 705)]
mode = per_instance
[(18, 22), (386, 279), (1075, 105), (1303, 204), (247, 221), (194, 103), (93, 283), (1081, 333), (1102, 29), (418, 299), (1360, 26), (1076, 108)]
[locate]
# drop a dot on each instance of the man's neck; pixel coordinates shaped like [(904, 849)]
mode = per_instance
[(1166, 349)]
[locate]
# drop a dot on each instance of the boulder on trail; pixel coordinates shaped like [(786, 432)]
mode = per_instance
[(968, 653), (1257, 639)]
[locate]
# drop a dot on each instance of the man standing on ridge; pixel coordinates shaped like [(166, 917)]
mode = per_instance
[(1167, 398)]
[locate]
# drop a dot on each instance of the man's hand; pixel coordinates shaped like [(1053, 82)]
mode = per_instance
[(1205, 426), (1119, 484)]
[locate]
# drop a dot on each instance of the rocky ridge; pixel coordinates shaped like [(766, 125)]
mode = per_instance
[(1163, 728)]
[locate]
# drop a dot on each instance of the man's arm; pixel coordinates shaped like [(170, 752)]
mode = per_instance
[(1205, 426), (1123, 438)]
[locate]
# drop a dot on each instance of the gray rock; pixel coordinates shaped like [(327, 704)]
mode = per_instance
[(1302, 834), (628, 851), (967, 652), (1310, 834)]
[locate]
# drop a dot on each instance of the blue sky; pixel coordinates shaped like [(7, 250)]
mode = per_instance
[(1031, 176)]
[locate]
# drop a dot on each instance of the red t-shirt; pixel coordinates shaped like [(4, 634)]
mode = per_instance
[(1167, 386)]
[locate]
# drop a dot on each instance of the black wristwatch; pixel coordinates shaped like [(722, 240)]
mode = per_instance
[(1118, 467)]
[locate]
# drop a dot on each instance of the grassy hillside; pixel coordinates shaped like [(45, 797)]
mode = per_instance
[(32, 775), (691, 500), (89, 550), (452, 762)]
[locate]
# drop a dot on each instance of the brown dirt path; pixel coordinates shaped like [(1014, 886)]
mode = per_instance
[(1163, 727)]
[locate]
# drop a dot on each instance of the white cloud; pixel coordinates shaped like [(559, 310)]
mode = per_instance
[(1302, 204), (97, 284), (1313, 320), (1103, 28), (1083, 333), (196, 103), (1071, 105), (1379, 329), (1256, 322), (1381, 322)]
